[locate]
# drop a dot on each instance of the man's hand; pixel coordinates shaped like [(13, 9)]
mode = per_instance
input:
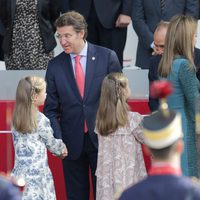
[(158, 49), (123, 21)]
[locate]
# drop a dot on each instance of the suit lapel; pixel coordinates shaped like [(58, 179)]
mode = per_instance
[(90, 69), (68, 71)]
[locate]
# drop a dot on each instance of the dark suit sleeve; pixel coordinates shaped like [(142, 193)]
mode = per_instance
[(52, 106), (114, 65), (141, 28), (126, 7), (192, 8)]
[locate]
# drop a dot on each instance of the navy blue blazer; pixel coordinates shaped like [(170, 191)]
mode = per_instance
[(145, 17), (65, 107), (163, 187), (153, 75)]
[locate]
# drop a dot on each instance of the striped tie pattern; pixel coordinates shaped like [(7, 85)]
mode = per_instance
[(162, 5)]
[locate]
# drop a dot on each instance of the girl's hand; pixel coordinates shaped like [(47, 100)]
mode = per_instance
[(64, 153)]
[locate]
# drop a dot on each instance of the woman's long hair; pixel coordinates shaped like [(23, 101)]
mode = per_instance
[(24, 115), (113, 108), (179, 41)]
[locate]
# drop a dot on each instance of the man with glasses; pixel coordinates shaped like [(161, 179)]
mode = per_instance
[(74, 80)]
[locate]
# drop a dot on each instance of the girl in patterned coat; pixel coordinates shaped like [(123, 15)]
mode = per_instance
[(33, 135), (120, 160)]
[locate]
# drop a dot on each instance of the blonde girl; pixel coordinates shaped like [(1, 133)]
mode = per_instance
[(120, 159), (32, 135)]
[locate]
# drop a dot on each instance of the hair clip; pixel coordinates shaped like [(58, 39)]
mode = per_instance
[(33, 94), (118, 89)]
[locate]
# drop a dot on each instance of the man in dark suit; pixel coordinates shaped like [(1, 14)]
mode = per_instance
[(145, 17), (159, 39), (163, 137), (71, 108), (107, 21)]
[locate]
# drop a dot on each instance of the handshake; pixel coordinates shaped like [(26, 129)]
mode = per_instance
[(64, 153)]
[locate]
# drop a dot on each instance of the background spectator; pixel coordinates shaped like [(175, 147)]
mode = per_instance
[(147, 14), (107, 21), (29, 39)]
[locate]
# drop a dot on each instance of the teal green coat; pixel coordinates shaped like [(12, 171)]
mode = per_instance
[(186, 89)]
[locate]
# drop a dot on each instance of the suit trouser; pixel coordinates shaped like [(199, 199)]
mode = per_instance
[(113, 38), (77, 172)]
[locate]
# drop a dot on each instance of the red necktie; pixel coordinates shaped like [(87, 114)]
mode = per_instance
[(80, 81), (80, 77)]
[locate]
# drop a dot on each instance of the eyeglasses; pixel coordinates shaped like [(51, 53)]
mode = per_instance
[(66, 36), (162, 46)]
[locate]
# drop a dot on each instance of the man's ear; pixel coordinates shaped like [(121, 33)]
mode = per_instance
[(82, 33)]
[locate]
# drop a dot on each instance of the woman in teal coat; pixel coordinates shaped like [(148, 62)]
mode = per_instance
[(178, 67)]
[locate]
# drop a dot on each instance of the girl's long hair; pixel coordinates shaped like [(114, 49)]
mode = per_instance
[(178, 42), (24, 115), (113, 108)]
